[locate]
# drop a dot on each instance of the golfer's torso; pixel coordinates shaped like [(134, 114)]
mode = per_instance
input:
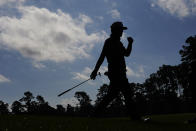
[(115, 56)]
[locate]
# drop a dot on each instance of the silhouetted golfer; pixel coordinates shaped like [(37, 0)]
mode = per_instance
[(115, 52)]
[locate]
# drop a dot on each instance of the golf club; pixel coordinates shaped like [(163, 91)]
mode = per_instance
[(76, 86)]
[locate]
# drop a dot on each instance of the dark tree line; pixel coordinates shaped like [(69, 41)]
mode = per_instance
[(169, 90), (29, 104)]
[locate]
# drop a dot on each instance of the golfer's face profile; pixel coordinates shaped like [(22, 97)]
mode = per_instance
[(119, 32)]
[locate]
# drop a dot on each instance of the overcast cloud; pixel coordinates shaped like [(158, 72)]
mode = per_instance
[(180, 8), (3, 79), (43, 35), (5, 2), (114, 13), (137, 73)]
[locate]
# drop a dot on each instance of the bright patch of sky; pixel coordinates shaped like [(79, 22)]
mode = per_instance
[(49, 46)]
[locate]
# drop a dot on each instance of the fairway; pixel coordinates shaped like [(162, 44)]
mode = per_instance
[(51, 123)]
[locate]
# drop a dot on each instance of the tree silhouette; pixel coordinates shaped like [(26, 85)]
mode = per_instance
[(60, 109), (42, 106), (36, 107), (83, 98), (102, 92), (84, 102), (40, 100), (188, 53), (70, 110), (3, 108), (188, 57), (183, 81), (17, 107), (162, 90), (27, 99)]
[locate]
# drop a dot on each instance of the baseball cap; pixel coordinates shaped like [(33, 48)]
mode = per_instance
[(118, 25)]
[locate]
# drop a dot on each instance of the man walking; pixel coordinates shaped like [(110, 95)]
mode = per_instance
[(114, 51)]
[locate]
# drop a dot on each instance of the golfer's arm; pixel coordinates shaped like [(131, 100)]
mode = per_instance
[(128, 50), (100, 61)]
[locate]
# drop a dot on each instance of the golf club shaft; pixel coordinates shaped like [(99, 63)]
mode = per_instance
[(73, 87)]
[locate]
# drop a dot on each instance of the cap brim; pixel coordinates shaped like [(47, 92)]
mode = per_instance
[(124, 28)]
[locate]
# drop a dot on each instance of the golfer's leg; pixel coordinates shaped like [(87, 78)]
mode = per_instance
[(130, 103)]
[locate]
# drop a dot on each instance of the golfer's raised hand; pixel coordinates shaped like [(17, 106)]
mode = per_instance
[(130, 39), (93, 75)]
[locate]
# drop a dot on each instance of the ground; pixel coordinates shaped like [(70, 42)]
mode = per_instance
[(172, 122)]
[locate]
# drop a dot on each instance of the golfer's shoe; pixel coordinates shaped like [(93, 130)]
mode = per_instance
[(147, 119)]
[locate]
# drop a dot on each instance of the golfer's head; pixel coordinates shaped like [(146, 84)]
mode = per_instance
[(117, 28)]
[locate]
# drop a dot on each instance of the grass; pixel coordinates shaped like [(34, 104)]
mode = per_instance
[(173, 122)]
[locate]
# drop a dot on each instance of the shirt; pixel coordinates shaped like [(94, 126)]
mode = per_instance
[(115, 52)]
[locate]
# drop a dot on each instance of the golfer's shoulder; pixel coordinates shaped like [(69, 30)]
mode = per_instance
[(107, 42)]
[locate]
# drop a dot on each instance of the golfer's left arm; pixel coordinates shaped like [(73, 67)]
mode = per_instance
[(129, 47)]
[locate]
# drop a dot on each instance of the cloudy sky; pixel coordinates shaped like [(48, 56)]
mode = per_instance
[(48, 46)]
